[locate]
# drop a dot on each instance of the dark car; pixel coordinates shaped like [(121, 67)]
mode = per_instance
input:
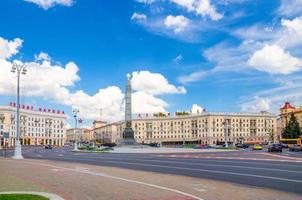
[(295, 147), (48, 146), (275, 147), (243, 146)]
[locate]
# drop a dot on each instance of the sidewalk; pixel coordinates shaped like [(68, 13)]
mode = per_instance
[(82, 181)]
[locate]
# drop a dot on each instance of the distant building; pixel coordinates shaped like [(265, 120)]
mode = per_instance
[(197, 128), (285, 112), (74, 134), (109, 133), (38, 126), (88, 135)]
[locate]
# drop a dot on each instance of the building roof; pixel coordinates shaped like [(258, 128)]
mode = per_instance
[(287, 105)]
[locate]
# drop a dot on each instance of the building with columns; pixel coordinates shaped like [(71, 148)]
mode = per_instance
[(38, 126), (199, 128)]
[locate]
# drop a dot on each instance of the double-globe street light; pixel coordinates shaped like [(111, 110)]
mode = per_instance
[(75, 115), (19, 69)]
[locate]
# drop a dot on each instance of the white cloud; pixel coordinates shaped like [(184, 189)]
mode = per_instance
[(45, 4), (257, 104), (177, 23), (286, 88), (178, 58), (9, 48), (273, 59), (147, 103), (200, 7), (196, 109), (290, 7), (146, 1), (154, 83), (42, 56), (54, 83), (293, 25), (195, 76), (138, 16)]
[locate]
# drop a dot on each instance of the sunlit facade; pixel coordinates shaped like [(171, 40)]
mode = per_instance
[(199, 128), (37, 126)]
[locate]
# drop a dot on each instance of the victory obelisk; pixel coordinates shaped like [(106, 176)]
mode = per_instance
[(128, 133)]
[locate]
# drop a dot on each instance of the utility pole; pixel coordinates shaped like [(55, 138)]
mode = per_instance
[(19, 69)]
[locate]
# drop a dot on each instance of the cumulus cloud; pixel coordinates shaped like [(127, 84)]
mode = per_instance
[(154, 84), (45, 4), (53, 82), (42, 56), (273, 59), (147, 103), (177, 23), (200, 7), (138, 16), (196, 109), (257, 104), (9, 48)]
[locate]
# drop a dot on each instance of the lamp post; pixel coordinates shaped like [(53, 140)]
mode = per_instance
[(161, 135), (226, 125), (75, 115), (19, 69)]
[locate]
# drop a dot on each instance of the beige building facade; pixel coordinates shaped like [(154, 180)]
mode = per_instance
[(37, 126), (285, 112), (199, 128)]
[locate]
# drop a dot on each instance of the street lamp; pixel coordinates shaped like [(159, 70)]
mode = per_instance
[(19, 69), (226, 138), (75, 115), (161, 135)]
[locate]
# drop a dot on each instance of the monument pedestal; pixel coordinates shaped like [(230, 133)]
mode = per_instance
[(128, 138)]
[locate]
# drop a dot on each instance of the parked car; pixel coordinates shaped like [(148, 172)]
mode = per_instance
[(257, 147), (48, 146), (202, 146), (275, 147), (295, 147), (243, 146)]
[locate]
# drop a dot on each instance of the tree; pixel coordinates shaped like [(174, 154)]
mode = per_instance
[(292, 129)]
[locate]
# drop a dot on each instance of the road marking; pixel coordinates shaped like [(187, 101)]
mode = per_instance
[(203, 170), (240, 158), (211, 171), (204, 164), (280, 156), (87, 171)]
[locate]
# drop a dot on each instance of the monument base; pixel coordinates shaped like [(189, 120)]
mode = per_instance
[(128, 138)]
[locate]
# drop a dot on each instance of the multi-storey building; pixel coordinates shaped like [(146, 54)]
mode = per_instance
[(285, 112), (109, 133), (200, 128), (37, 126)]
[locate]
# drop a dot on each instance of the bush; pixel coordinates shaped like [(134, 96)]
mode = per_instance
[(90, 148)]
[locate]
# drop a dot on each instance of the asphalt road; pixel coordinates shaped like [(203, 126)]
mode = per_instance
[(268, 170)]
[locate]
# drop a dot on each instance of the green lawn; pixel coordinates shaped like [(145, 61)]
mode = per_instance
[(21, 197)]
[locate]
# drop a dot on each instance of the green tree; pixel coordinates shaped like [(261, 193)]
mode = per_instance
[(292, 129)]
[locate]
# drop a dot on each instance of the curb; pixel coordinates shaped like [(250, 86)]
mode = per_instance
[(50, 196)]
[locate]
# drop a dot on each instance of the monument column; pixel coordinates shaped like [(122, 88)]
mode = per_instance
[(128, 133)]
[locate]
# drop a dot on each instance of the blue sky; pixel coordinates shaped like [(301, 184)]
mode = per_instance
[(223, 55)]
